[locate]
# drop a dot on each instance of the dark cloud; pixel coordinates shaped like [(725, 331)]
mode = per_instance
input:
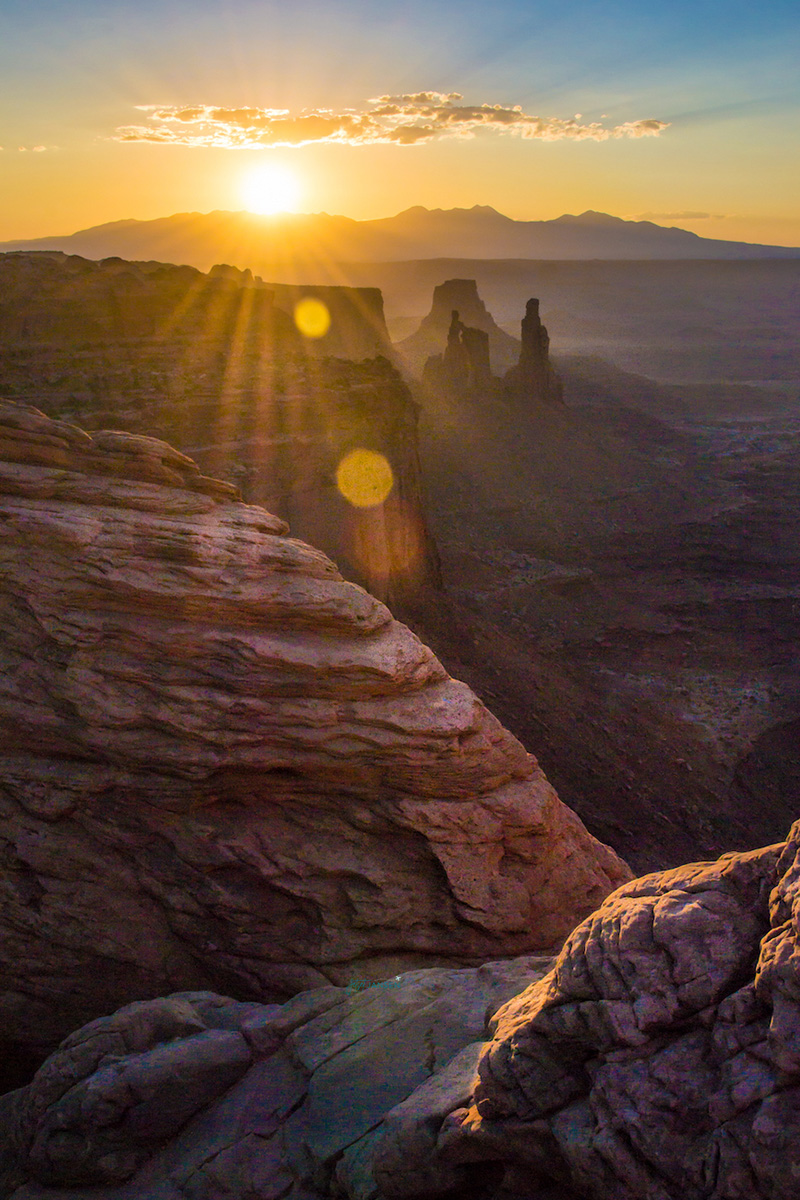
[(404, 120)]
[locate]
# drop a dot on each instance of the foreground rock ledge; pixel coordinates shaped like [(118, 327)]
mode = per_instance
[(658, 1058), (222, 767)]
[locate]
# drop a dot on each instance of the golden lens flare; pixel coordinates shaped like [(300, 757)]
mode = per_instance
[(311, 317), (365, 478)]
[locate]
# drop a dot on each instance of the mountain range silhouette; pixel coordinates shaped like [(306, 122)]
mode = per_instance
[(262, 243)]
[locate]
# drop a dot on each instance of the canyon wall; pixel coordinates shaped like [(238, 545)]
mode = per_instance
[(216, 366)]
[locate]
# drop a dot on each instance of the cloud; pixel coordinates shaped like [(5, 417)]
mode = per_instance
[(680, 216), (404, 120)]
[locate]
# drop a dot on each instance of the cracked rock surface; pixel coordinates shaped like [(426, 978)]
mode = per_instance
[(198, 1097), (224, 768), (657, 1058), (660, 1058)]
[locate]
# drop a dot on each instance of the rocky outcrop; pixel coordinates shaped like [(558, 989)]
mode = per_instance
[(464, 367), (221, 766), (471, 338), (357, 324), (198, 1095), (533, 378), (657, 1059), (460, 295), (54, 297), (64, 300)]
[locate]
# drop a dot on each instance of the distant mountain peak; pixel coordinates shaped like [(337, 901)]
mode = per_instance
[(478, 209), (591, 217), (267, 244)]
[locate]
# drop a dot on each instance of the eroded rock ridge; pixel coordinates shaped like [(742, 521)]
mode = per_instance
[(224, 767)]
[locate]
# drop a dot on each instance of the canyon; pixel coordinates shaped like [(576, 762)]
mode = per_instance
[(620, 571), (252, 812), (216, 365)]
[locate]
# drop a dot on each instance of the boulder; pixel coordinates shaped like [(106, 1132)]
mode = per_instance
[(659, 1059), (196, 1095), (224, 768)]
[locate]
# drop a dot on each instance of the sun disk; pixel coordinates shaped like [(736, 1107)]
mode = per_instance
[(270, 189)]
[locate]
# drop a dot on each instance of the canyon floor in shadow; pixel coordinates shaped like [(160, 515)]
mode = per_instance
[(623, 589)]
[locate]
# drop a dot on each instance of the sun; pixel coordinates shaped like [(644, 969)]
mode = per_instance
[(271, 188)]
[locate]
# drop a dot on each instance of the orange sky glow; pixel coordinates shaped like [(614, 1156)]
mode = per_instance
[(682, 117)]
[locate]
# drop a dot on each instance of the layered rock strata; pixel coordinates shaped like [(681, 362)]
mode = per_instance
[(217, 366), (224, 767), (59, 298)]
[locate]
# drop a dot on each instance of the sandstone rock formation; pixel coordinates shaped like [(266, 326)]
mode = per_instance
[(200, 1096), (49, 296), (221, 766), (657, 1059), (533, 377), (464, 367), (358, 326), (462, 296)]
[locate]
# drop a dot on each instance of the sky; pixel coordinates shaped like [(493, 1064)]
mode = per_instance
[(681, 113)]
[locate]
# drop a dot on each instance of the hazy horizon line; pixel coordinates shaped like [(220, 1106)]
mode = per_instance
[(651, 218)]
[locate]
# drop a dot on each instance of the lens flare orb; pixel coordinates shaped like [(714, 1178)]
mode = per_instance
[(311, 317), (364, 478)]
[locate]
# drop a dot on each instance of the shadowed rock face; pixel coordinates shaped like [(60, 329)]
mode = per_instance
[(533, 377), (472, 339), (58, 298), (222, 766), (216, 366), (199, 1095), (464, 366), (460, 295), (657, 1059)]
